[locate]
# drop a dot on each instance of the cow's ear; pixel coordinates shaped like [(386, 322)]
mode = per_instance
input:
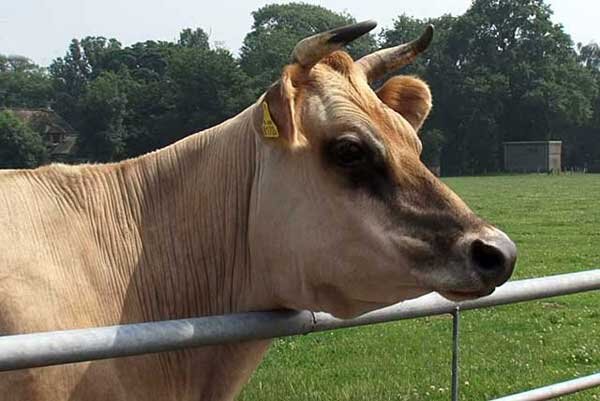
[(278, 111), (408, 96)]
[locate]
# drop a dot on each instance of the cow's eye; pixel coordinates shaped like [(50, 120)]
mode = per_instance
[(349, 152)]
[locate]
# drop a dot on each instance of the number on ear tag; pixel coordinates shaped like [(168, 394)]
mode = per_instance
[(269, 128)]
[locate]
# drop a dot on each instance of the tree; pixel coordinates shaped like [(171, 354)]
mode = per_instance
[(432, 140), (103, 106), (195, 39), (100, 87), (208, 87), (587, 138), (180, 89), (70, 75), (589, 55), (126, 101), (85, 60), (16, 63), (20, 146), (276, 30), (23, 84)]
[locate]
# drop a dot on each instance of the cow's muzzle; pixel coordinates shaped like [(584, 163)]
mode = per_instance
[(493, 256)]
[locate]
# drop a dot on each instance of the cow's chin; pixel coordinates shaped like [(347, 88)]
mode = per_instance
[(351, 308), (459, 296), (452, 287)]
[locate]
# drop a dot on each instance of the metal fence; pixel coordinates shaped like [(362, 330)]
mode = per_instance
[(52, 348)]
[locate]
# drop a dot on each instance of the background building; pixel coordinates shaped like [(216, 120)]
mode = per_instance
[(532, 156), (58, 135)]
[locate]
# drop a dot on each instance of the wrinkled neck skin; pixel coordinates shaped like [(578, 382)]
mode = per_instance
[(164, 235), (190, 206)]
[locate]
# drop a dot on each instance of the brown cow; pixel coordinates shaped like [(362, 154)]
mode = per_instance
[(312, 198)]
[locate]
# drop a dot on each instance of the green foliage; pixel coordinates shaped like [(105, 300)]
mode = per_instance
[(589, 55), (23, 84), (276, 30), (208, 87), (432, 140), (20, 146), (195, 39), (103, 107), (84, 61), (128, 101)]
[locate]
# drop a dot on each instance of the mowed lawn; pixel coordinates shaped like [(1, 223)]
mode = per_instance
[(555, 221)]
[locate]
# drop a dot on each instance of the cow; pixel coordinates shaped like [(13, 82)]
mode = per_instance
[(312, 198)]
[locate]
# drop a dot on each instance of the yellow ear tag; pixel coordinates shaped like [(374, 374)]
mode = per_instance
[(269, 127)]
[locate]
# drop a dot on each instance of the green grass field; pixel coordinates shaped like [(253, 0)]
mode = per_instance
[(555, 221)]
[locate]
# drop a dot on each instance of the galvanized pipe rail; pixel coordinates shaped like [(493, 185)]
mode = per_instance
[(52, 348), (555, 390)]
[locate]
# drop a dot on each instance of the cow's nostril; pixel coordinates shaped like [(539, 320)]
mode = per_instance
[(487, 257), (493, 256)]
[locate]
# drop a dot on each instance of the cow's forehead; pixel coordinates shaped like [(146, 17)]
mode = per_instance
[(341, 99)]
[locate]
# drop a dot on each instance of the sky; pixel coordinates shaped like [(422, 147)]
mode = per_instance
[(42, 29)]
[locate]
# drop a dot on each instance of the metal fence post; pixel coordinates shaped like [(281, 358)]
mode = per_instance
[(455, 351)]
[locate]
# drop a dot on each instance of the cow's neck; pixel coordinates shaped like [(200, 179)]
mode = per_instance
[(193, 220), (172, 226)]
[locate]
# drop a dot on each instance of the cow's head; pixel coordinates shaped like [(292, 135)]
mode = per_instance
[(345, 217)]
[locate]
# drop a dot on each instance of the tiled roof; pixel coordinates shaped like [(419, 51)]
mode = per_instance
[(44, 121)]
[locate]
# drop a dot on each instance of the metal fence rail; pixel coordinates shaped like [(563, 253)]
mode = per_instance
[(555, 390), (52, 348)]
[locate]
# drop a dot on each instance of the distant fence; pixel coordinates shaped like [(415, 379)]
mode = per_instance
[(59, 347)]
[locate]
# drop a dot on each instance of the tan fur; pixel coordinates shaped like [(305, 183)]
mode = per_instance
[(226, 221), (408, 96)]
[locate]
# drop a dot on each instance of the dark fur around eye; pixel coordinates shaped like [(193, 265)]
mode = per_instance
[(358, 162), (348, 152)]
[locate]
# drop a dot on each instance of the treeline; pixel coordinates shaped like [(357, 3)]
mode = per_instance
[(502, 71)]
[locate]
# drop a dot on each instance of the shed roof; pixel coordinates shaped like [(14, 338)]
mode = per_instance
[(45, 121)]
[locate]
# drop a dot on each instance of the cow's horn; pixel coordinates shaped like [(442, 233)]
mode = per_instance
[(310, 50), (377, 64)]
